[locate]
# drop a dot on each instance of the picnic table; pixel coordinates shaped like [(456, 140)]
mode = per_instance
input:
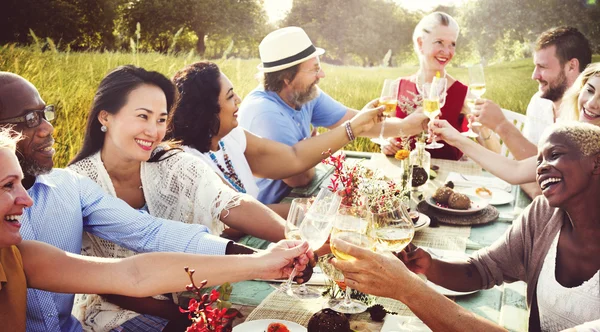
[(505, 304)]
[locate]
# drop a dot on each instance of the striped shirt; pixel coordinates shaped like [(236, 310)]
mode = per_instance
[(67, 204)]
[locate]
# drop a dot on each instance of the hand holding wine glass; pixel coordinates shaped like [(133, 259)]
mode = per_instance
[(388, 99), (476, 87), (434, 98), (470, 100), (310, 222), (392, 229)]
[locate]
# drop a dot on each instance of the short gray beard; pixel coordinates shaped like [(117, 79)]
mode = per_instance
[(32, 168), (300, 98)]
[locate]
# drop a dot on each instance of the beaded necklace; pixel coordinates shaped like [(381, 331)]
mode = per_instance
[(229, 174)]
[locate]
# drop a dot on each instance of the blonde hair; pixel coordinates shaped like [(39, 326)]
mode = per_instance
[(430, 22), (585, 136), (569, 109), (9, 138)]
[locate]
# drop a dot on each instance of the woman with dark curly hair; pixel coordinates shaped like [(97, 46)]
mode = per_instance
[(205, 123)]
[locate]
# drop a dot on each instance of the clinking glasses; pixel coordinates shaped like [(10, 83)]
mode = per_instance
[(33, 118)]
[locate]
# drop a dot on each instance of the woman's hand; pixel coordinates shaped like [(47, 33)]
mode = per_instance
[(279, 260), (380, 274), (364, 120), (416, 259), (392, 148), (444, 131)]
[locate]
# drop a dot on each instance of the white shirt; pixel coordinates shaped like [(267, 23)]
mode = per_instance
[(235, 146), (540, 115), (561, 307)]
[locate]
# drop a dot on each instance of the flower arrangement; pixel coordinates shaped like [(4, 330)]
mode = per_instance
[(209, 312), (347, 179)]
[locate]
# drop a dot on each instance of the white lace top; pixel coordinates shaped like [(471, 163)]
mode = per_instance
[(181, 187), (561, 307)]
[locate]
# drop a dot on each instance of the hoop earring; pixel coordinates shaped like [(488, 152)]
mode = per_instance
[(103, 129)]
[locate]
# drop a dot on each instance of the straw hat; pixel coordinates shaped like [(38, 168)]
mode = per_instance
[(284, 48)]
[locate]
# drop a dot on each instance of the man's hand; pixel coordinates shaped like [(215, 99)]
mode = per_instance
[(364, 120), (414, 123), (416, 259), (488, 114)]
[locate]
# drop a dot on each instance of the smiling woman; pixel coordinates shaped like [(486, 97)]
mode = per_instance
[(553, 246)]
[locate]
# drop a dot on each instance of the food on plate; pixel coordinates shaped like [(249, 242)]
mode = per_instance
[(483, 192), (459, 201), (414, 216), (432, 174), (449, 184), (277, 327), (328, 320), (442, 194)]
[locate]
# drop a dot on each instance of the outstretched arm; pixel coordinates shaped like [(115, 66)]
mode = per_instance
[(373, 273), (52, 269), (274, 160), (512, 171)]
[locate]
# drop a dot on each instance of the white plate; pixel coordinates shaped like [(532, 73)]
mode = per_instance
[(396, 323), (261, 325), (447, 255), (499, 196), (477, 204), (422, 222)]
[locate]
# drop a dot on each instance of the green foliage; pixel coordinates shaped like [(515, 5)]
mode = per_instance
[(70, 79)]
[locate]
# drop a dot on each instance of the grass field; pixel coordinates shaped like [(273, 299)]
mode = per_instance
[(69, 81)]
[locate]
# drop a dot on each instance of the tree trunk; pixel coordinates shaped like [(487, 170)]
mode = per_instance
[(200, 45)]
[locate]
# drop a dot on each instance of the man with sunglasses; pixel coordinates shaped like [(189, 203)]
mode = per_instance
[(66, 204), (289, 101)]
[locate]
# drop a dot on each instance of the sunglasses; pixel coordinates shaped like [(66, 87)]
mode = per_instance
[(33, 118)]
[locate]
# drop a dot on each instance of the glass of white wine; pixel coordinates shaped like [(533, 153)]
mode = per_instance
[(311, 223), (389, 99), (350, 225), (476, 85), (470, 100), (434, 98), (392, 230)]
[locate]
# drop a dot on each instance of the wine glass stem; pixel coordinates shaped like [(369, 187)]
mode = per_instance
[(382, 128), (288, 283), (347, 299)]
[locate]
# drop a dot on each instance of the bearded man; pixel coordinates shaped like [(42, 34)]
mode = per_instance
[(560, 56), (289, 101)]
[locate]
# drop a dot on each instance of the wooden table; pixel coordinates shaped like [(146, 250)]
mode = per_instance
[(505, 305)]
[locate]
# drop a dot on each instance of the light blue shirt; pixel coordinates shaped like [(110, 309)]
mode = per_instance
[(265, 114), (65, 205)]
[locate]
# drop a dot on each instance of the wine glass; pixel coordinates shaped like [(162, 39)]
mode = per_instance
[(476, 85), (470, 99), (434, 98), (312, 224), (389, 99), (391, 229), (350, 225)]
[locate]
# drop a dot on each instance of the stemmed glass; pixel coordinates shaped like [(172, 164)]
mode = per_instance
[(434, 98), (470, 99), (389, 99), (476, 85), (311, 224), (392, 229), (350, 225)]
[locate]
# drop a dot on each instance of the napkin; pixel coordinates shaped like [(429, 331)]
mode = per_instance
[(395, 323), (478, 181)]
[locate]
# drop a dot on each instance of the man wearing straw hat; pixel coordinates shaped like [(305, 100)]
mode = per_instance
[(289, 101)]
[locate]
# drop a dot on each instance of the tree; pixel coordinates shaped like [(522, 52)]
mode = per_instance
[(160, 19), (363, 30)]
